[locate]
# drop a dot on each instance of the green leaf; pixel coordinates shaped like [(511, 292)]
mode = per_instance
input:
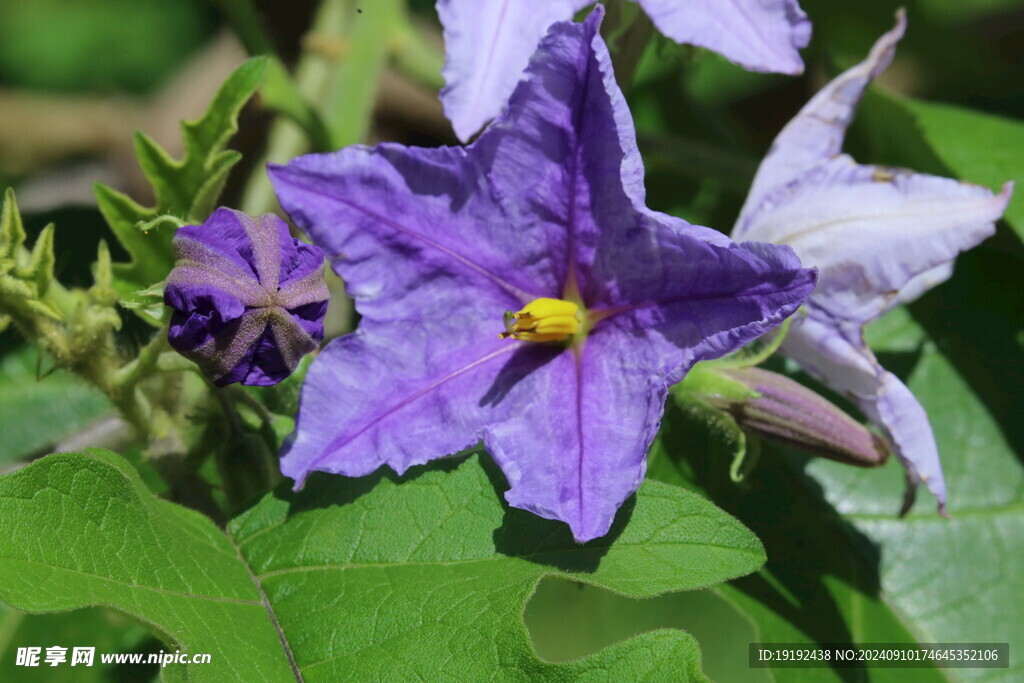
[(151, 256), (820, 584), (841, 563), (84, 530), (948, 140), (186, 189), (25, 275), (102, 629), (569, 620), (383, 576), (36, 412), (961, 579)]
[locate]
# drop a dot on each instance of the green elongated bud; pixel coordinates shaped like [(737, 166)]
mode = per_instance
[(776, 408)]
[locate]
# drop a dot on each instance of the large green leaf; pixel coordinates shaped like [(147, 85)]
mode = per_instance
[(841, 565), (186, 189), (384, 576), (36, 412), (820, 585)]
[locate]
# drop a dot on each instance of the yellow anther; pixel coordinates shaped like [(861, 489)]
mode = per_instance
[(543, 320)]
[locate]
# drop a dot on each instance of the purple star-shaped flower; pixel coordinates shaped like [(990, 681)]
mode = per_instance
[(489, 42), (544, 213), (879, 236), (249, 299)]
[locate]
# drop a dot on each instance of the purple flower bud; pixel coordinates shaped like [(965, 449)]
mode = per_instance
[(790, 413), (249, 299)]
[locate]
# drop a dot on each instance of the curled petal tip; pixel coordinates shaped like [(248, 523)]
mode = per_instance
[(1006, 192)]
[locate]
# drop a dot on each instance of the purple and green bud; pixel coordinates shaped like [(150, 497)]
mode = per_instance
[(249, 299), (776, 408)]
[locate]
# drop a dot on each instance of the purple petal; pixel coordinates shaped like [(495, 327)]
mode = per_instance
[(204, 258), (230, 315), (228, 356), (816, 134), (270, 241), (697, 301), (436, 244), (578, 452), (393, 217), (200, 312), (759, 35), (403, 395), (872, 231), (564, 159), (488, 44), (225, 232), (834, 352), (878, 236)]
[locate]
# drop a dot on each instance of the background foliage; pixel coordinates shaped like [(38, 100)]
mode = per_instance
[(431, 572)]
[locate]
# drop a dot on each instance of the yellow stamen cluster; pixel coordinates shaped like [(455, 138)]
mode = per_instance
[(543, 320)]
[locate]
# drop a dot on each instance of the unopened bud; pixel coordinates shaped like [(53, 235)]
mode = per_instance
[(787, 412), (248, 298)]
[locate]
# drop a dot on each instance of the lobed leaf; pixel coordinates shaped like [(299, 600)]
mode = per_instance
[(425, 575), (186, 189), (842, 565)]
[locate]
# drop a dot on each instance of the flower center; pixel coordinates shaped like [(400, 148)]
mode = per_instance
[(543, 320)]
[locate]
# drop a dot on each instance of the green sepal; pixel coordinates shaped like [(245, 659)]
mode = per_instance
[(723, 426), (148, 304), (703, 380)]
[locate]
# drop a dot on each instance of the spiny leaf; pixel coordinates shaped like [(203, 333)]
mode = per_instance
[(12, 232), (186, 189), (380, 577), (39, 268), (151, 256), (25, 276)]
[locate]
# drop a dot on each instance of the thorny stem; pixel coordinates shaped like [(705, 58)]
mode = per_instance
[(144, 364)]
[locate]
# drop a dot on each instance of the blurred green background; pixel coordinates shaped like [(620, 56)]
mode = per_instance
[(78, 76)]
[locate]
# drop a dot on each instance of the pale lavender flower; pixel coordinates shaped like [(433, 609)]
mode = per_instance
[(879, 236), (249, 299), (544, 214), (489, 42)]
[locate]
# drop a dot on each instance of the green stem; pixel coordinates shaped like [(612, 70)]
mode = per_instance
[(172, 361), (144, 364), (279, 91), (337, 75), (698, 160), (247, 25), (767, 350)]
